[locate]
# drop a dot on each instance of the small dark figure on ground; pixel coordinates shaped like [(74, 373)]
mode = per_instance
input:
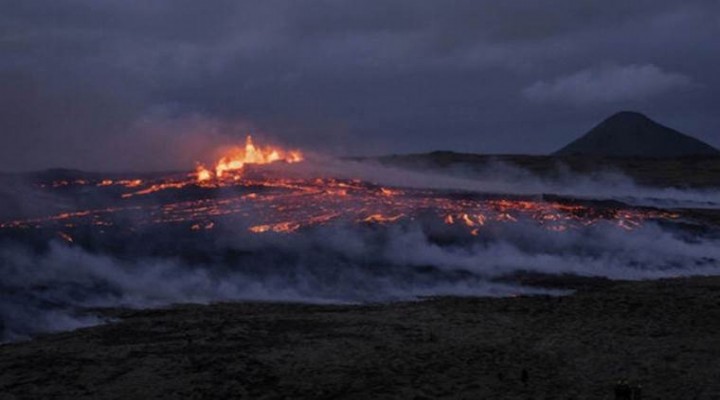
[(524, 377), (625, 391)]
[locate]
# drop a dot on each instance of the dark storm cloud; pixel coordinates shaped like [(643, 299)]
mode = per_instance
[(134, 84), (609, 84)]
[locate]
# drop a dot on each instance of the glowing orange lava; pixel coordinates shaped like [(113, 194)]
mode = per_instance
[(264, 203), (238, 157), (280, 205)]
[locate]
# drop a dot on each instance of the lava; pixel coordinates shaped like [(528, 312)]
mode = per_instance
[(272, 204), (234, 194), (238, 157)]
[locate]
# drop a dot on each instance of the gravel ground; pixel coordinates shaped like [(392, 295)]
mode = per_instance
[(663, 335)]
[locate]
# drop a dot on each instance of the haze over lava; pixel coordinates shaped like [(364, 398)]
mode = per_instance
[(274, 224)]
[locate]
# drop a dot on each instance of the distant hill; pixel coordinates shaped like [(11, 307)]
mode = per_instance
[(631, 134), (697, 172)]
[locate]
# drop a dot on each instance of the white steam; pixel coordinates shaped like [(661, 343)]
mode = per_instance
[(501, 178), (48, 290), (339, 264)]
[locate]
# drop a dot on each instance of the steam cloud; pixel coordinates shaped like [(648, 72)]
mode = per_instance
[(43, 292), (51, 288), (499, 177)]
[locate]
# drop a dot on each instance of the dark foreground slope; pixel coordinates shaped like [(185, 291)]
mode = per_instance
[(663, 335)]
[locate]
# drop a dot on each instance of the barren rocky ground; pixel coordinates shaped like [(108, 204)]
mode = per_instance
[(663, 335)]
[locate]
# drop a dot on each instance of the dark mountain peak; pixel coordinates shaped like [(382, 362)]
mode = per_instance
[(629, 114), (632, 134), (627, 117)]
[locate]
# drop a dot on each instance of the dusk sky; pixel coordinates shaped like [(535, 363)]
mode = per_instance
[(132, 85)]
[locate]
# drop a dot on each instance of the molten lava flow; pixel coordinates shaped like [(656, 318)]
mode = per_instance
[(266, 204), (260, 202), (203, 174), (238, 157)]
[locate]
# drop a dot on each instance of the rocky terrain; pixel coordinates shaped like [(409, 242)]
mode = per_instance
[(663, 335), (660, 336)]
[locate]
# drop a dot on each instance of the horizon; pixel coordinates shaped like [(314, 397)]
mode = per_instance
[(123, 85), (361, 157)]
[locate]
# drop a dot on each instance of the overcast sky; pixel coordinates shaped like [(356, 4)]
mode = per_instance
[(143, 84)]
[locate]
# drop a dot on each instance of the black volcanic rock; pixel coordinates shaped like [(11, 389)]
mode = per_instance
[(631, 134)]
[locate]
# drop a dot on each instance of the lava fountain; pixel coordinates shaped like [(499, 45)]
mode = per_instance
[(239, 192), (232, 163)]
